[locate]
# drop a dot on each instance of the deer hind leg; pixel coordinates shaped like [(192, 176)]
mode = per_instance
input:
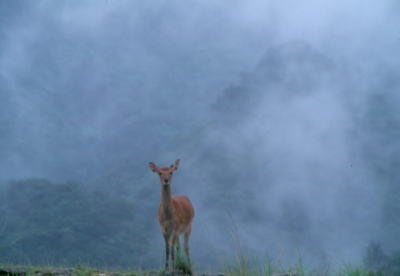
[(178, 244), (186, 242)]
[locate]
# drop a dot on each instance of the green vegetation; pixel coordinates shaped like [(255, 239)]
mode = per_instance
[(182, 263), (377, 261), (300, 270), (183, 268), (234, 271), (268, 270), (65, 224), (78, 270)]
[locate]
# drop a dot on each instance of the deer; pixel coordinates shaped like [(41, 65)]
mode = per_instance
[(175, 215)]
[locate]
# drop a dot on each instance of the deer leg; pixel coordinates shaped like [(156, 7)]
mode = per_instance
[(186, 243), (167, 252), (178, 244), (173, 241)]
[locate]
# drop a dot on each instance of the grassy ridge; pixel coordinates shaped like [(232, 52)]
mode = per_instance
[(297, 270), (75, 271)]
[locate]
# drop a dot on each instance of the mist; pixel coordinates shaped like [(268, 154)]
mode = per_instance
[(284, 116)]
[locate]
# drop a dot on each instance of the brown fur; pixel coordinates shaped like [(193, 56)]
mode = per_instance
[(175, 214), (182, 213)]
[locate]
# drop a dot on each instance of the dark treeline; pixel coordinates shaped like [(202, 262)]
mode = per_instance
[(63, 223)]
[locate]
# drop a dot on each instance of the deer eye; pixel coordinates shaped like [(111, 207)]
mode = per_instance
[(170, 173), (160, 173)]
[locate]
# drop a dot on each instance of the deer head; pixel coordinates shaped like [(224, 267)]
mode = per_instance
[(165, 173)]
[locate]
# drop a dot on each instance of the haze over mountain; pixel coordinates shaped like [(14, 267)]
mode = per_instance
[(284, 116)]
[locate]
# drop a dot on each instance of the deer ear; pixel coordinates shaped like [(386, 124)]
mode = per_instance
[(153, 167), (175, 165)]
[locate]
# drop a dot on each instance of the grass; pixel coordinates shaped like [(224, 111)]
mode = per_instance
[(182, 263), (297, 270), (85, 271), (184, 268), (78, 270), (234, 271), (266, 270), (244, 268), (357, 271)]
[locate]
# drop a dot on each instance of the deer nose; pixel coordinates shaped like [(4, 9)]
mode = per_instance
[(165, 181)]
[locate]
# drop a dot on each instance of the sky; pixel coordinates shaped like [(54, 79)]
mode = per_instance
[(268, 105)]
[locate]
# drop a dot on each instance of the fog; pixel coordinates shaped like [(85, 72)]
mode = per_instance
[(273, 107)]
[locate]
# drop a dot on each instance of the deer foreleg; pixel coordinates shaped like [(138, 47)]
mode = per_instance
[(173, 242), (167, 252)]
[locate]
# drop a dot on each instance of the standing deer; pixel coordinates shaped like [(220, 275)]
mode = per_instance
[(175, 214)]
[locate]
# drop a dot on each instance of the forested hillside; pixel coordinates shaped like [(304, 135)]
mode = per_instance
[(65, 223)]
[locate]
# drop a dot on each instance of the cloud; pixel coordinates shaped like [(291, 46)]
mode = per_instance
[(264, 101)]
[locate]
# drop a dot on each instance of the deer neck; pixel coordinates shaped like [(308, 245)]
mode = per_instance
[(166, 202)]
